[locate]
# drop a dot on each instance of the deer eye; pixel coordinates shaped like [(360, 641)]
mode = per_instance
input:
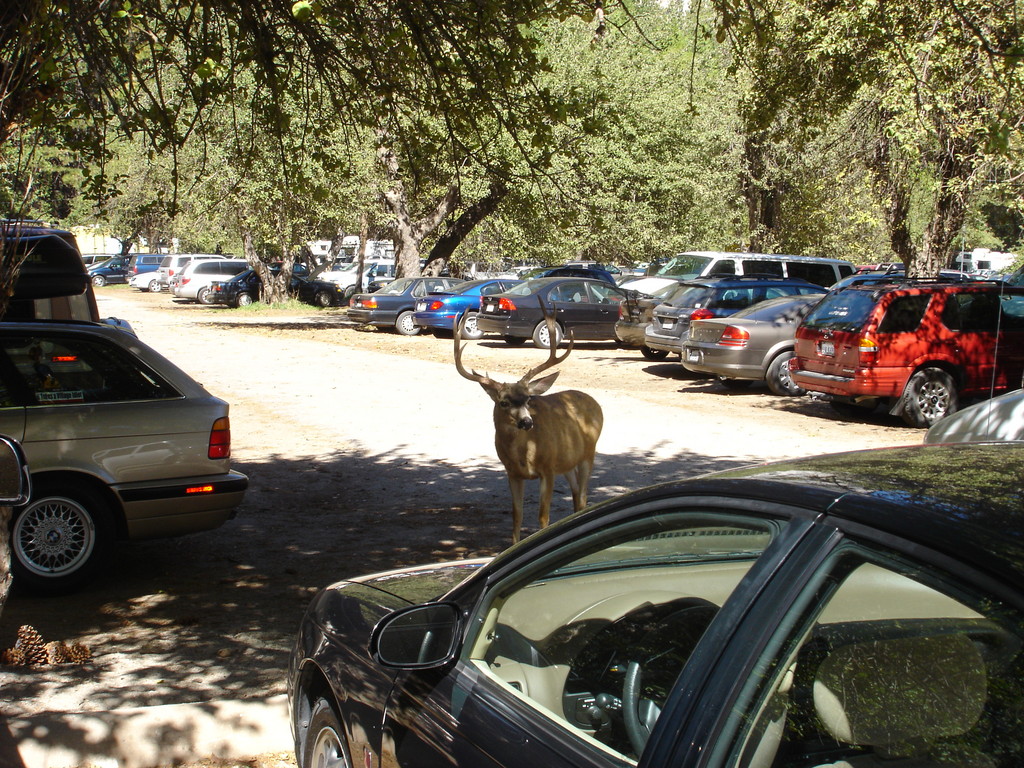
[(503, 403)]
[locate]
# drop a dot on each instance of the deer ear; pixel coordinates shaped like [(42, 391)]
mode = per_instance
[(540, 386), (491, 387)]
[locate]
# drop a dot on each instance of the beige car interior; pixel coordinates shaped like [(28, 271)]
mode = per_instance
[(886, 697)]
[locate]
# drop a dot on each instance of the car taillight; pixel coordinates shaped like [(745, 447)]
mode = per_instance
[(183, 280), (369, 303), (868, 349), (435, 306), (506, 304), (220, 439), (734, 337), (701, 314)]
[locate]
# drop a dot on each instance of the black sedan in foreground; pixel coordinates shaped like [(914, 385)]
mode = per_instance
[(855, 609), (588, 309)]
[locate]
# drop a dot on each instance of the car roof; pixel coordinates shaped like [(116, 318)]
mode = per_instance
[(962, 499), (738, 281)]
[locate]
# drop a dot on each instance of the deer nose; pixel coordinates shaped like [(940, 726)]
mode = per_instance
[(525, 423)]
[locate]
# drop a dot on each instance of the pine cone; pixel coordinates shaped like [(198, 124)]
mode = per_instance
[(13, 656), (79, 654), (30, 642), (57, 652)]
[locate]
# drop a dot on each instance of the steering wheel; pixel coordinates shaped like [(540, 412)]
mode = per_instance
[(666, 648)]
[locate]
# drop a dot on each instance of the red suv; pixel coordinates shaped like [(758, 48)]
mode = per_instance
[(918, 346)]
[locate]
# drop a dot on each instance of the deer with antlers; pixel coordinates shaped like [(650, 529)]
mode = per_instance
[(539, 436)]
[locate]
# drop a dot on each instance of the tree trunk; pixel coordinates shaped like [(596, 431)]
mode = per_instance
[(409, 234), (762, 193), (462, 226), (893, 193), (5, 555), (949, 212)]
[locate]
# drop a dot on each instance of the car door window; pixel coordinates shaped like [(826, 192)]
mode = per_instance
[(570, 293), (595, 636), (897, 665), (605, 294), (65, 369)]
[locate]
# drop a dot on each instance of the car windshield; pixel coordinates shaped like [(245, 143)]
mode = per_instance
[(397, 287), (686, 265), (843, 311)]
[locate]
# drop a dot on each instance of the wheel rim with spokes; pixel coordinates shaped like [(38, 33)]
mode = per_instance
[(54, 536), (933, 400)]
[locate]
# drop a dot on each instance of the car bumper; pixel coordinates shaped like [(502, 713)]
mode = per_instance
[(503, 326), (673, 344), (443, 322), (719, 362), (876, 382), (630, 334), (182, 505)]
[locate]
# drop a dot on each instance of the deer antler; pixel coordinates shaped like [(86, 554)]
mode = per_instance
[(553, 358), (470, 374)]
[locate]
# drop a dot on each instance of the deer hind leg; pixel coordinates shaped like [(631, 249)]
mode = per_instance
[(579, 480), (515, 485)]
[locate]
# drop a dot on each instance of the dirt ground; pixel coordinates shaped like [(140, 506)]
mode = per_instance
[(365, 450)]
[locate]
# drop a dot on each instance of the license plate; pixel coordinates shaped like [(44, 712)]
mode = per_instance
[(827, 349), (421, 306), (693, 355), (488, 308), (668, 325)]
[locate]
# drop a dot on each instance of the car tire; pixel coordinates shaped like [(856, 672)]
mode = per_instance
[(514, 341), (322, 299), (930, 395), (203, 297), (324, 744), (60, 538), (99, 281), (154, 286), (468, 329), (243, 300), (653, 354), (350, 291), (778, 379), (406, 325), (540, 335)]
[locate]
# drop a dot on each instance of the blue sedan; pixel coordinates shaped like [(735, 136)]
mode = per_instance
[(440, 310), (858, 609)]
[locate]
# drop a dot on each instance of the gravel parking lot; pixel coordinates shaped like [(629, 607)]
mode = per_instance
[(365, 450)]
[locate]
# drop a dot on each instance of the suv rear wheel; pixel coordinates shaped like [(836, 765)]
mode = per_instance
[(778, 379), (60, 538), (929, 396)]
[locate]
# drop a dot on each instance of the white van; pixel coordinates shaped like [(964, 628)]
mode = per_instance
[(174, 263), (193, 282), (695, 264)]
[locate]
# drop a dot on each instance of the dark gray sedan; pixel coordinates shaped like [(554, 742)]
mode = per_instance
[(393, 305), (755, 344), (587, 309)]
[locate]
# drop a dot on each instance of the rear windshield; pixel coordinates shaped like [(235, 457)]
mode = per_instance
[(787, 306), (843, 311), (689, 296)]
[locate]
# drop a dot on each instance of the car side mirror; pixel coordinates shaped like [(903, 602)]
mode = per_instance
[(420, 637), (15, 483)]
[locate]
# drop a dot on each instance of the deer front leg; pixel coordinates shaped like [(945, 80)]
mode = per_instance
[(547, 488), (515, 485)]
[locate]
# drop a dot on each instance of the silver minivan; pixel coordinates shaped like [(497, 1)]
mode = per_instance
[(173, 263)]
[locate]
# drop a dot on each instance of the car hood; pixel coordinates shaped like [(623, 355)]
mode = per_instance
[(423, 582)]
